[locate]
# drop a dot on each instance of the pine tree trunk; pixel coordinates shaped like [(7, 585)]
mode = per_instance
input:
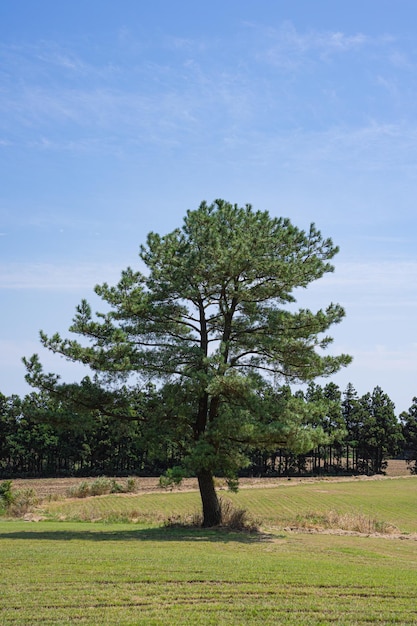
[(211, 505)]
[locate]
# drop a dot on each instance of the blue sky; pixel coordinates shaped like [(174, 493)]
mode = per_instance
[(117, 117)]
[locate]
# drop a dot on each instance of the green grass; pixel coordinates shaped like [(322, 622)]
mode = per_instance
[(66, 573), (388, 500), (62, 572)]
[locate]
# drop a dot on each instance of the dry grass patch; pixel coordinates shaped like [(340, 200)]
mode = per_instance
[(236, 518), (16, 503), (354, 522)]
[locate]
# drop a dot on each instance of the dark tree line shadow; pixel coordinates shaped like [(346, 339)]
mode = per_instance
[(217, 535)]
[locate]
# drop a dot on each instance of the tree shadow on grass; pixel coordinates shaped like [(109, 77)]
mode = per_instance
[(140, 534)]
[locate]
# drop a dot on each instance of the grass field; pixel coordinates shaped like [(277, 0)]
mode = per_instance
[(388, 500), (106, 572)]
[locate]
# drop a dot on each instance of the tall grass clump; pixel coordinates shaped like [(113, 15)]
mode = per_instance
[(100, 487), (236, 518)]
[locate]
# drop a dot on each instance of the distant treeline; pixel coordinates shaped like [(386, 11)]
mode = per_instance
[(363, 432)]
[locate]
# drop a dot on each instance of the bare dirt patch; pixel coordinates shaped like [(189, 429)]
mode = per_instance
[(397, 468), (59, 487)]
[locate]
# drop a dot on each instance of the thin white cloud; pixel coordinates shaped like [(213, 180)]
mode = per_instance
[(382, 358), (371, 292), (400, 60), (324, 41), (12, 369), (61, 59), (287, 48), (11, 351), (373, 147), (394, 273), (54, 220), (57, 277), (34, 60)]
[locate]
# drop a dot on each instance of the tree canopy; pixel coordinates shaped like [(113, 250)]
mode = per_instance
[(205, 338)]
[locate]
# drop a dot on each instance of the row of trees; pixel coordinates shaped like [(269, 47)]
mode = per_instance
[(39, 436), (363, 432)]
